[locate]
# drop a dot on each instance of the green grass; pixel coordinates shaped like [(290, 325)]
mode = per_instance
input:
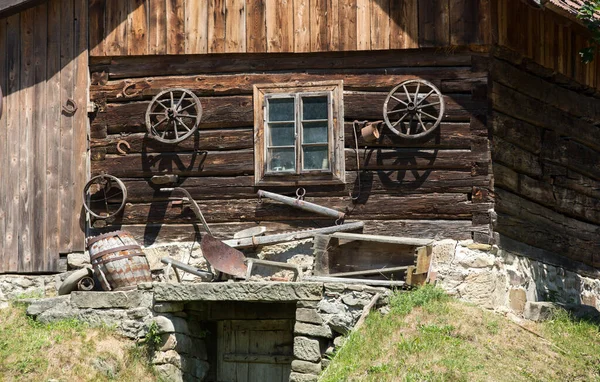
[(430, 337), (65, 350)]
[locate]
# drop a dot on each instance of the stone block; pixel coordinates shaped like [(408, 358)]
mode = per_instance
[(307, 349), (37, 307), (312, 330), (299, 377), (339, 341), (171, 325), (443, 252), (168, 307), (539, 310), (308, 315), (517, 298), (195, 367), (243, 291), (307, 304), (306, 367), (169, 356), (107, 300), (78, 260), (168, 372)]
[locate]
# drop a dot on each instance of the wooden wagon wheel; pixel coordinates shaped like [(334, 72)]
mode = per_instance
[(173, 115), (414, 108), (104, 196)]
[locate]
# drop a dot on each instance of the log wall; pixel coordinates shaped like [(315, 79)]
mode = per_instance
[(432, 187), (546, 156), (548, 39), (43, 149), (157, 27)]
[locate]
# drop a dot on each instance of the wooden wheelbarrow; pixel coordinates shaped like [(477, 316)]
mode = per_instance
[(219, 255)]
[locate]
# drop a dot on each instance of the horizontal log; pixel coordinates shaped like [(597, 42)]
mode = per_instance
[(519, 133), (448, 135), (516, 158), (132, 66), (433, 206), (544, 228), (563, 200), (569, 101), (575, 181), (238, 111), (448, 80), (173, 233), (222, 139), (202, 188), (538, 113), (241, 162), (573, 155)]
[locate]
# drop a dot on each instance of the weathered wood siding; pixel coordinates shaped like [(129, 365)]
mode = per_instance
[(43, 64), (546, 38), (546, 161), (432, 187), (148, 27)]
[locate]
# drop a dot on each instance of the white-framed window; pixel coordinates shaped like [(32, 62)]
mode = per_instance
[(299, 133)]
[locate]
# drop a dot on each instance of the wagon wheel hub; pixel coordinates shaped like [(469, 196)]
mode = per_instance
[(412, 107)]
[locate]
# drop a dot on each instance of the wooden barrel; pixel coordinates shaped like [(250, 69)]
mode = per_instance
[(119, 262)]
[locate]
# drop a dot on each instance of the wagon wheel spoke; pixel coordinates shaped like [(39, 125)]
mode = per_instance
[(187, 107), (180, 100), (161, 104), (175, 129), (189, 116), (427, 96), (400, 120), (429, 115), (417, 92), (183, 124), (399, 100), (428, 105), (407, 94), (157, 124), (172, 100), (421, 122), (412, 117), (397, 111)]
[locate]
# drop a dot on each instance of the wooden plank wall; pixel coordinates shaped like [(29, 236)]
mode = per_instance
[(43, 63), (147, 27), (548, 39), (433, 187), (546, 151)]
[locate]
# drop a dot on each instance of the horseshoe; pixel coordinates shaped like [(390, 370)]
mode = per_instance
[(120, 150), (70, 107), (127, 87)]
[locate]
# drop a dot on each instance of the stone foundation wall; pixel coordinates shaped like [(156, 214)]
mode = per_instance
[(497, 279)]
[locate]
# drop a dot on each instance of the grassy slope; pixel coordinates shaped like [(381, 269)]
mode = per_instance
[(65, 351), (430, 337)]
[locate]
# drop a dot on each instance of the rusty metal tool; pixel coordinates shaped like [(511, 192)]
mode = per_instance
[(303, 205)]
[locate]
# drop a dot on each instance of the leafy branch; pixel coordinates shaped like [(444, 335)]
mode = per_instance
[(589, 14)]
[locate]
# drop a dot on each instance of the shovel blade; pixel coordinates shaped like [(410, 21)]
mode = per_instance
[(222, 257)]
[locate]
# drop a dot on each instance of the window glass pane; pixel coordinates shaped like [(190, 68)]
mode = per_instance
[(282, 134), (281, 109), (314, 108), (281, 160), (314, 132), (316, 158)]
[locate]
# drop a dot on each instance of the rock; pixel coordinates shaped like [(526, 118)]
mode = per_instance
[(168, 372), (169, 307), (308, 315), (197, 368), (329, 307), (298, 377), (325, 363), (584, 312), (37, 307), (384, 310), (169, 356), (108, 368), (480, 247), (517, 299), (339, 341), (171, 325), (307, 349), (539, 310), (443, 252), (306, 367), (355, 299), (307, 304), (108, 300), (312, 330), (487, 289), (78, 260), (243, 291)]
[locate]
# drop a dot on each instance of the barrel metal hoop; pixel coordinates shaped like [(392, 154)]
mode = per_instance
[(92, 240), (116, 249), (116, 259)]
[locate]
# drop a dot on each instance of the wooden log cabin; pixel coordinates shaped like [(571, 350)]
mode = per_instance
[(514, 160)]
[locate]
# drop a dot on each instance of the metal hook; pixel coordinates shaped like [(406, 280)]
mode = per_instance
[(70, 107), (300, 193)]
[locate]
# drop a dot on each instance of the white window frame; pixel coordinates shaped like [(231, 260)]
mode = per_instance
[(335, 174)]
